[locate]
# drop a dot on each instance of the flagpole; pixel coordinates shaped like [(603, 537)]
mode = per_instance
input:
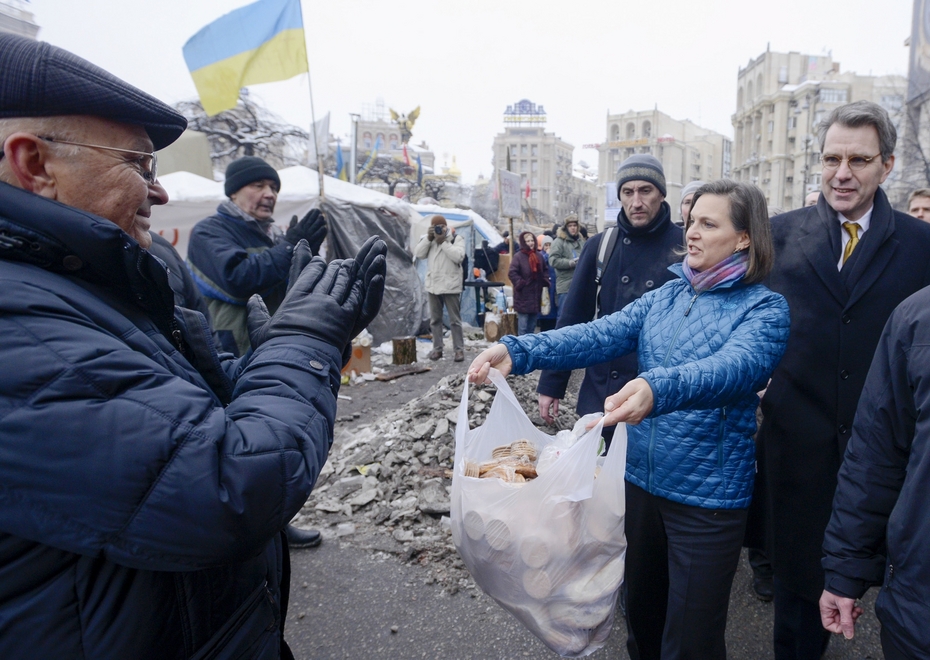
[(316, 142)]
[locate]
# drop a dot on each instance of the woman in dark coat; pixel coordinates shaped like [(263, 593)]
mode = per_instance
[(529, 275)]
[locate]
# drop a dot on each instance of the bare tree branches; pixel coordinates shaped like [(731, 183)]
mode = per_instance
[(248, 130)]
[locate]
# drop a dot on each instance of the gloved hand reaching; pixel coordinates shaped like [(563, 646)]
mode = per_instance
[(332, 303), (312, 228)]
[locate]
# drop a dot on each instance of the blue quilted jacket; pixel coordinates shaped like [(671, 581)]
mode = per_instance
[(705, 356)]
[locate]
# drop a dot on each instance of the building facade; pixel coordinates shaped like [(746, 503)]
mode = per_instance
[(544, 162), (688, 152), (780, 100), (376, 127), (16, 18)]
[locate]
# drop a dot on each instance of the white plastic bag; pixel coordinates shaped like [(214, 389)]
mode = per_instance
[(550, 551)]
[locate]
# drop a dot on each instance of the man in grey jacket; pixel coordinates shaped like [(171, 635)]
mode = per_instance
[(444, 252), (563, 256)]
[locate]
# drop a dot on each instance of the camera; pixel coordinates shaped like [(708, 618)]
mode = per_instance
[(439, 230)]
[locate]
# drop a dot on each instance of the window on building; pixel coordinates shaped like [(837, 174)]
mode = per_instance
[(792, 122), (534, 166), (534, 150), (513, 151), (647, 129), (522, 149), (771, 127), (614, 133), (833, 95), (523, 166), (366, 140), (379, 139), (630, 131), (892, 102), (535, 181), (394, 143)]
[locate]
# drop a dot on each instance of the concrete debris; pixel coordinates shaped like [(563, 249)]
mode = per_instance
[(388, 483)]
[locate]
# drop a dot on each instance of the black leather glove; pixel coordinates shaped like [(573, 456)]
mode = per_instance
[(331, 303), (371, 268), (299, 260), (312, 228), (430, 233)]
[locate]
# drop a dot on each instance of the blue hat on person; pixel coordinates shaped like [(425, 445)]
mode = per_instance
[(41, 80), (641, 167)]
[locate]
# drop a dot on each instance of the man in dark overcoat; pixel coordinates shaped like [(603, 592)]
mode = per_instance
[(646, 243), (843, 265)]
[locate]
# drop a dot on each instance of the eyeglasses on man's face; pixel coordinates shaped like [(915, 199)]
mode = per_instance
[(855, 163), (146, 163)]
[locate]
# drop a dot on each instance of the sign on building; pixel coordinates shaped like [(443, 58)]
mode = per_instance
[(508, 184)]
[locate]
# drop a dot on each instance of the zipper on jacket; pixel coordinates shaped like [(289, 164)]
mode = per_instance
[(273, 624), (176, 335), (650, 457)]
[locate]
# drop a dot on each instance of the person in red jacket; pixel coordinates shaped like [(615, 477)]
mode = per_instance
[(529, 275)]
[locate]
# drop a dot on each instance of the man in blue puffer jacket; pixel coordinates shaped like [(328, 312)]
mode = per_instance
[(145, 480)]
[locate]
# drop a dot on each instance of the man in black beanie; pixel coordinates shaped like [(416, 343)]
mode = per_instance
[(239, 251), (146, 479)]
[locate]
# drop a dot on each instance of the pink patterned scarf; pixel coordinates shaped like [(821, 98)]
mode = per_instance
[(729, 270)]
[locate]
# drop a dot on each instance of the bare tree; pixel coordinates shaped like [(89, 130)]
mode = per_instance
[(248, 130)]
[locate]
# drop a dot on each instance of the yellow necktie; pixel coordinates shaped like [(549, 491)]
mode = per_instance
[(853, 230)]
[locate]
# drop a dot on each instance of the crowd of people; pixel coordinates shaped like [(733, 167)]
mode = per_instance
[(166, 420), (792, 309)]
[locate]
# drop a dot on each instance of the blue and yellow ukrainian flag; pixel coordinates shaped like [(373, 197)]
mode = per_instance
[(258, 43), (341, 169)]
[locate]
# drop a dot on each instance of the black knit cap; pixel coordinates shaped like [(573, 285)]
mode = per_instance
[(41, 80), (641, 167), (245, 170)]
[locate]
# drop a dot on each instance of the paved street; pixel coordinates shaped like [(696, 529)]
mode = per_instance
[(347, 599)]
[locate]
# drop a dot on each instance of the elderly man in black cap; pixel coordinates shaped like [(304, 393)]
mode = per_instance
[(238, 251), (145, 479)]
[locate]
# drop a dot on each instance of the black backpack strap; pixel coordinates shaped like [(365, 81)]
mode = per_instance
[(605, 249)]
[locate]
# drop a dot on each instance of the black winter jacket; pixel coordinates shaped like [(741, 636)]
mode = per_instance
[(639, 263), (144, 481), (880, 528)]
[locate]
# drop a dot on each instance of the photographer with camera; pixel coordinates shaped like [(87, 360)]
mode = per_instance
[(444, 252)]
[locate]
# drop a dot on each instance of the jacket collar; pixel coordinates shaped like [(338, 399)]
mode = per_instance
[(663, 218), (71, 242), (819, 241)]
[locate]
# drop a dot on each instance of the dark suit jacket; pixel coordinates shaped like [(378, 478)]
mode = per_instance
[(836, 320)]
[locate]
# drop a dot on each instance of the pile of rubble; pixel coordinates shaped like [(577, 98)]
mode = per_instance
[(386, 485)]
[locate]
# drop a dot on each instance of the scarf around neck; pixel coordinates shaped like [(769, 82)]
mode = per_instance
[(730, 269), (229, 208)]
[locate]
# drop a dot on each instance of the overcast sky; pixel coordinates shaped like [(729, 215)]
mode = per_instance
[(464, 62)]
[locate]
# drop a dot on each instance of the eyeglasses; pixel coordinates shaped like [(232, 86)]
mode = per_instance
[(147, 163), (855, 163)]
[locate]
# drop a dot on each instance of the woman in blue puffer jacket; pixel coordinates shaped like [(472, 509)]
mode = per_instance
[(706, 343)]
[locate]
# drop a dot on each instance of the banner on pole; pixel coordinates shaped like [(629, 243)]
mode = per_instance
[(508, 184)]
